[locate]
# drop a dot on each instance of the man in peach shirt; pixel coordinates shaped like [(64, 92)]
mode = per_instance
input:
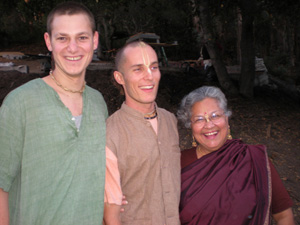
[(142, 146)]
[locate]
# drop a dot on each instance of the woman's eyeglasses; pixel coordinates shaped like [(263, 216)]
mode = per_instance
[(215, 117)]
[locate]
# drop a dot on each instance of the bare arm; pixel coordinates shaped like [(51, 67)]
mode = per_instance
[(285, 217), (4, 212), (113, 193), (112, 214)]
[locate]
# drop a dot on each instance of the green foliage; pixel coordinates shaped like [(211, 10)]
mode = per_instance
[(24, 22), (120, 19), (171, 20)]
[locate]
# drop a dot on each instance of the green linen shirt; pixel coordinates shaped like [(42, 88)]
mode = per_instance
[(54, 173)]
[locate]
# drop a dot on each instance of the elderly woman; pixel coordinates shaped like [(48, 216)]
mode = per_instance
[(223, 180)]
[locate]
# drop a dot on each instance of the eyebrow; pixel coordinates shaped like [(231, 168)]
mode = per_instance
[(65, 34)]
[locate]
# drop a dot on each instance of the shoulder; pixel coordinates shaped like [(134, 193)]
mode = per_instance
[(241, 146), (166, 114), (93, 93), (96, 100), (111, 120), (258, 150), (257, 147), (31, 88), (115, 128), (17, 102), (188, 156), (114, 122), (188, 151)]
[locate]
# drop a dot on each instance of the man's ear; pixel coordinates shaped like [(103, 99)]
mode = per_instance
[(96, 40), (48, 41), (119, 77)]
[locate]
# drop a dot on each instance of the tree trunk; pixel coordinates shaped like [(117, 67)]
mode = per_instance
[(296, 42), (210, 43), (99, 49), (247, 49), (107, 33), (239, 35), (291, 41)]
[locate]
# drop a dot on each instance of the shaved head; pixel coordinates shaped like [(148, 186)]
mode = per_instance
[(121, 56)]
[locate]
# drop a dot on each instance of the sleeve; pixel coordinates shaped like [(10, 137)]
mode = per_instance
[(11, 141), (113, 193), (280, 197)]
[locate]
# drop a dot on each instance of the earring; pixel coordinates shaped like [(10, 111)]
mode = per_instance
[(229, 137), (194, 143)]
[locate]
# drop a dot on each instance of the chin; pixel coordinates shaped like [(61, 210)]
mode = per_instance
[(147, 101), (216, 146)]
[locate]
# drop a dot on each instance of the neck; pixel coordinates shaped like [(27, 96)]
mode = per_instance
[(68, 84), (201, 152), (151, 115), (143, 108)]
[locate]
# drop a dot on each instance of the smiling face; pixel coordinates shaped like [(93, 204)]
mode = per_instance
[(210, 135), (72, 43), (139, 75)]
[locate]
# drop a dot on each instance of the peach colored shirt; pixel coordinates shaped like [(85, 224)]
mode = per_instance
[(113, 193)]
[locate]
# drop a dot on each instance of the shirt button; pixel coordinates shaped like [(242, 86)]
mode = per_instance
[(73, 118)]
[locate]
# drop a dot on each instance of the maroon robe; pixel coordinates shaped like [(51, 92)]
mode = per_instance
[(230, 186)]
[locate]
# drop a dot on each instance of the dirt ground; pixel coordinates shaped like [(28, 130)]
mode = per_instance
[(271, 118)]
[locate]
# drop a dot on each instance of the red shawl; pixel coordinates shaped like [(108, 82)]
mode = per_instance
[(230, 186)]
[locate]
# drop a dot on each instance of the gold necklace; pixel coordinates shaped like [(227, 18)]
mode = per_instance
[(66, 89), (199, 153)]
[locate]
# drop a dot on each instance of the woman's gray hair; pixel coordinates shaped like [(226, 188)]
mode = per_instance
[(184, 113)]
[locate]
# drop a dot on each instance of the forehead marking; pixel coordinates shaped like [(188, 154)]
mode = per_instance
[(146, 59)]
